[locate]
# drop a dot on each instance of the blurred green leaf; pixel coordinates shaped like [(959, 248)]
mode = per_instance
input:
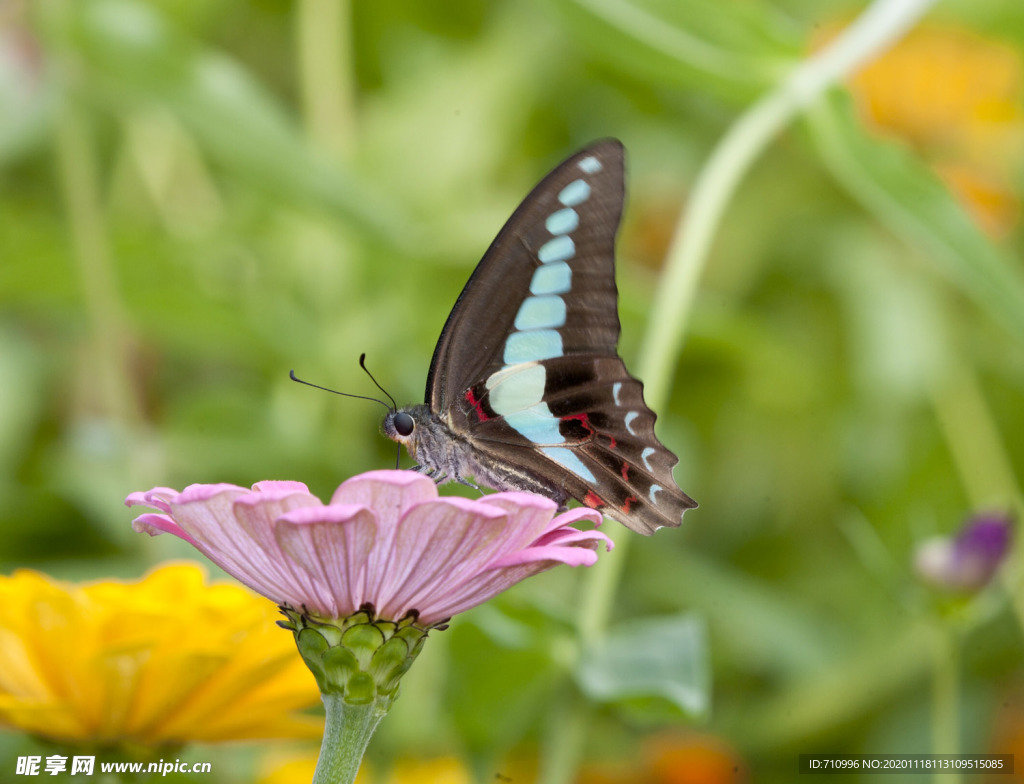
[(26, 94), (134, 53), (503, 671), (734, 48), (652, 657), (905, 195)]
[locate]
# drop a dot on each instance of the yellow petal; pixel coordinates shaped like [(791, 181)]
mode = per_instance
[(163, 660)]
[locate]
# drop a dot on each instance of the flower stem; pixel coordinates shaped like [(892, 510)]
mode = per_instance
[(347, 733), (880, 25), (78, 170), (986, 472), (324, 44), (568, 723), (946, 700)]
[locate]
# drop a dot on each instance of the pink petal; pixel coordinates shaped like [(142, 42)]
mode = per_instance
[(573, 516), (199, 493), (390, 494), (572, 556), (210, 519), (529, 516), (386, 538), (573, 535), (376, 489), (156, 498), (256, 514), (156, 524), (331, 543), (269, 486), (440, 544), (482, 588), (516, 567)]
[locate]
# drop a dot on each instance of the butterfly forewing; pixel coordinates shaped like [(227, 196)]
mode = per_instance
[(527, 371), (530, 272)]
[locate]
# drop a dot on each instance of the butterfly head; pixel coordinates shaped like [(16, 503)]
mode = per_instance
[(405, 424)]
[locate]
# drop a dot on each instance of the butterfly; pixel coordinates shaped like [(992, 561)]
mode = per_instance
[(526, 390)]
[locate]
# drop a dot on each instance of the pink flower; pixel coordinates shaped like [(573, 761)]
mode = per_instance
[(385, 539)]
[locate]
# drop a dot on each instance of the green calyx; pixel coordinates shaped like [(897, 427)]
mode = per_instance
[(359, 658)]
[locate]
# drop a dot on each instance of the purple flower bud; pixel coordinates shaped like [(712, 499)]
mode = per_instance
[(967, 562)]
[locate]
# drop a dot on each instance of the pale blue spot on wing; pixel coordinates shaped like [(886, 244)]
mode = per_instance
[(646, 456), (563, 221), (590, 165), (532, 346), (537, 424), (554, 278), (561, 248), (541, 313), (516, 388), (654, 490), (575, 193), (629, 421), (568, 460), (616, 389)]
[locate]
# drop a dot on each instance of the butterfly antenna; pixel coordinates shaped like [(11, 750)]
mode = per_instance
[(293, 377), (362, 364)]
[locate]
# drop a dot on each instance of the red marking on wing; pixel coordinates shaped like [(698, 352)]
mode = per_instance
[(612, 443), (477, 404), (592, 500), (625, 472), (584, 420), (628, 503)]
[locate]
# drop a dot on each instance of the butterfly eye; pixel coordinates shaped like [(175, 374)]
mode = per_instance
[(404, 423)]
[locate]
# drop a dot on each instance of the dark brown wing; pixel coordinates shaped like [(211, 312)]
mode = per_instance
[(527, 368), (603, 449), (473, 340)]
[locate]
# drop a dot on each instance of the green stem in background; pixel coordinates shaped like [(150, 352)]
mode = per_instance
[(327, 83), (986, 471), (77, 170), (564, 737), (973, 438), (347, 732), (946, 698), (884, 22), (879, 26)]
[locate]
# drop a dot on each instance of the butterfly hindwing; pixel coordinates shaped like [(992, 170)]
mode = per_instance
[(596, 428)]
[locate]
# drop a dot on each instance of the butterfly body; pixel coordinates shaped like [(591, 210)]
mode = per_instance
[(526, 390), (443, 454)]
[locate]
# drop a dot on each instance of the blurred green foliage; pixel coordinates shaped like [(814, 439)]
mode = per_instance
[(198, 195)]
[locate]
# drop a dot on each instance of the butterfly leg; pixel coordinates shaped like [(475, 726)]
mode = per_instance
[(433, 473), (467, 483)]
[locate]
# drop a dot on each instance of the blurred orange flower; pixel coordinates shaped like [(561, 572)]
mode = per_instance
[(160, 661), (957, 97), (694, 759), (675, 758)]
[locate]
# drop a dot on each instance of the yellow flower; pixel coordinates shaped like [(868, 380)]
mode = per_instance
[(438, 770), (299, 768), (432, 770), (957, 97), (158, 662)]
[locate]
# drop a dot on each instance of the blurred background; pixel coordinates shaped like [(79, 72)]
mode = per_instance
[(198, 195)]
